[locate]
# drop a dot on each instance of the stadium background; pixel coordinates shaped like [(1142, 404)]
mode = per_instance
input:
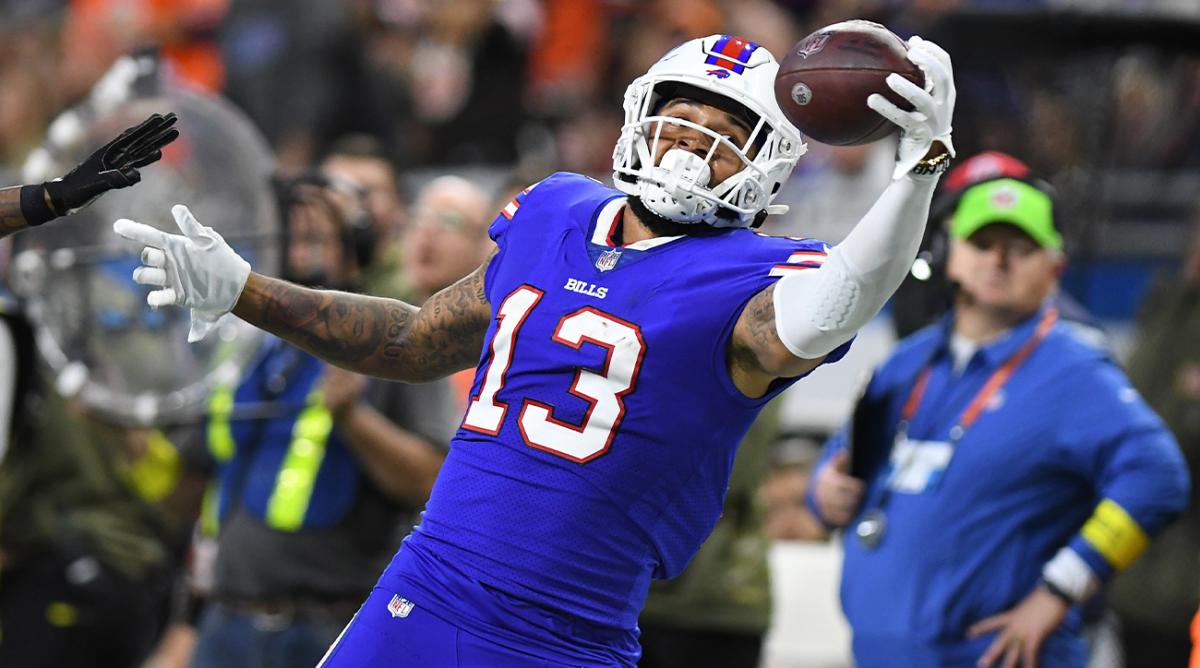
[(1102, 97), (1099, 96)]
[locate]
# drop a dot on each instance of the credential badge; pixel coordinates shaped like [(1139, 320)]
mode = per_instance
[(608, 259)]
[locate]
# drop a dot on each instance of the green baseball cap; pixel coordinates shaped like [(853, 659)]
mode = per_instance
[(1007, 201)]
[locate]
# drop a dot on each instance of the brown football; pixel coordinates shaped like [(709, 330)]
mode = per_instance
[(824, 81)]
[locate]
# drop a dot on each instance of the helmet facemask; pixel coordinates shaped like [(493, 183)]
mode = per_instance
[(678, 187)]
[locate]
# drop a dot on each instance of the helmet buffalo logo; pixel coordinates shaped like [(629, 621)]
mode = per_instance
[(812, 44), (718, 73)]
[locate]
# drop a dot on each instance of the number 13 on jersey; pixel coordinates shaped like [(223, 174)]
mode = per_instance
[(604, 389)]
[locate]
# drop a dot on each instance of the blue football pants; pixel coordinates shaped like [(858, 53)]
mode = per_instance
[(378, 637)]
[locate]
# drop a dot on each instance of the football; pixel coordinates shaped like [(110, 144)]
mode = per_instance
[(824, 81)]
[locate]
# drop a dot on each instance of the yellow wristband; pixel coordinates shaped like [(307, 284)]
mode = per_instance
[(1115, 535)]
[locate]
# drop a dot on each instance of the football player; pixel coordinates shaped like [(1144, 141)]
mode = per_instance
[(623, 341), (114, 165)]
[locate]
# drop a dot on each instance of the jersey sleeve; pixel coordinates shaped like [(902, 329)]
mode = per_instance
[(1135, 464), (499, 233), (797, 256), (506, 217)]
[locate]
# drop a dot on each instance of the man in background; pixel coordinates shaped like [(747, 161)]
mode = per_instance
[(445, 239), (318, 471), (446, 236), (358, 163), (969, 476)]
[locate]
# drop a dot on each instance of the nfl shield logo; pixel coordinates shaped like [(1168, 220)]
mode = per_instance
[(400, 607), (812, 44), (608, 259)]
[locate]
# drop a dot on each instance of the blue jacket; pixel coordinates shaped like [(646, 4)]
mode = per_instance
[(1065, 437)]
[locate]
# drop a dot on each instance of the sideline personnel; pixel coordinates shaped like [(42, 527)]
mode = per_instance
[(1007, 468)]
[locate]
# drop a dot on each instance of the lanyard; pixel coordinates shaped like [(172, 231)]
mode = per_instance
[(871, 528), (997, 380)]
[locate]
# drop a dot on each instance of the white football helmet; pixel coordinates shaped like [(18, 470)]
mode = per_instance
[(718, 70)]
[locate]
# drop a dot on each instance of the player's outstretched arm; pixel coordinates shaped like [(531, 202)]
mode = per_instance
[(791, 326), (114, 165), (371, 335)]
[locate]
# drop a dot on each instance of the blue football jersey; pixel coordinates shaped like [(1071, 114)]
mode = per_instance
[(597, 446)]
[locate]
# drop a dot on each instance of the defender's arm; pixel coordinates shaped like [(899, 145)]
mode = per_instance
[(114, 165), (12, 218)]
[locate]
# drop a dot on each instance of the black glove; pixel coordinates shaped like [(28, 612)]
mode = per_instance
[(114, 165)]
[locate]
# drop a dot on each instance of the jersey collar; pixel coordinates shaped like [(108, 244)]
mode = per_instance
[(606, 226)]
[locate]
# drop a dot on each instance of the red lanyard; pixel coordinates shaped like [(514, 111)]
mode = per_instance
[(993, 384)]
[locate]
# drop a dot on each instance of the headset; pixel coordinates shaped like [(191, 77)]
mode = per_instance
[(358, 233), (936, 243), (927, 292)]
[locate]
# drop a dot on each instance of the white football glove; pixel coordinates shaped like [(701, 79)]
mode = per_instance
[(933, 106), (197, 269)]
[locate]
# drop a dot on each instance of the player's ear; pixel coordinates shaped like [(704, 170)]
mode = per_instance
[(1060, 263), (952, 259)]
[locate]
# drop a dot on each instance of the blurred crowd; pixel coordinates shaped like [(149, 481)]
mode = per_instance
[(401, 127)]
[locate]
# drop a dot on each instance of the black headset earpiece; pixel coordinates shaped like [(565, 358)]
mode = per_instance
[(936, 243), (358, 230), (361, 235), (363, 238)]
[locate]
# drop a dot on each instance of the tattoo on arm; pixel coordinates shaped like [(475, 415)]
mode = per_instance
[(11, 218), (373, 335), (755, 331), (755, 354)]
